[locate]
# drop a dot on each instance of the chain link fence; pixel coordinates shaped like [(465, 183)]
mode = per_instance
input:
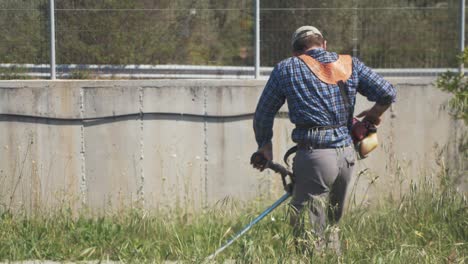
[(24, 39), (205, 38)]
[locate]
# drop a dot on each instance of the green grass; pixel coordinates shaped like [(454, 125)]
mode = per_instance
[(14, 73), (428, 225)]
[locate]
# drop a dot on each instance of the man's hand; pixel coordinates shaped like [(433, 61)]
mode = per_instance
[(370, 117), (374, 115), (267, 152)]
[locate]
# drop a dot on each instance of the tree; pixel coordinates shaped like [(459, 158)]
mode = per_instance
[(24, 32), (386, 33)]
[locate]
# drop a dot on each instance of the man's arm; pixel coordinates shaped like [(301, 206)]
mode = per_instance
[(374, 114), (375, 89), (268, 105)]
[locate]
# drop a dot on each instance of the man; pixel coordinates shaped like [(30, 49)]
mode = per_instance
[(320, 88)]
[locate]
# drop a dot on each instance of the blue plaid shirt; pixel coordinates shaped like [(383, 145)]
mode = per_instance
[(310, 101)]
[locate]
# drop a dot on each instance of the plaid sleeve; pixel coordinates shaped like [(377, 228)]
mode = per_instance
[(373, 86), (268, 105)]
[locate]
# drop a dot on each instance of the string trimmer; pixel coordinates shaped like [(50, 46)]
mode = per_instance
[(258, 158)]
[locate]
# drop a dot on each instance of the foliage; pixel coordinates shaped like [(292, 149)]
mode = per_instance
[(428, 225), (14, 72), (406, 34), (129, 32), (80, 74), (24, 33), (209, 32), (457, 85)]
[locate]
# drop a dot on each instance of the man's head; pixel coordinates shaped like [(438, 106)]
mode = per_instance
[(307, 37)]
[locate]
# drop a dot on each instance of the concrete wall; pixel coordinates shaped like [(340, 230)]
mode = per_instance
[(190, 159)]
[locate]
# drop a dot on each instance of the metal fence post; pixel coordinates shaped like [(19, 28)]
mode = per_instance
[(462, 32), (52, 40), (257, 39), (355, 28)]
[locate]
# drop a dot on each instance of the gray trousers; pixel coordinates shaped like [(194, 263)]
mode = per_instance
[(321, 179)]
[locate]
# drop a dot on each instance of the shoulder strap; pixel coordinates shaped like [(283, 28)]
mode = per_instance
[(331, 73), (344, 94)]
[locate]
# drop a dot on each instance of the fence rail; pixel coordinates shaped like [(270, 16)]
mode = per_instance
[(80, 71), (384, 34)]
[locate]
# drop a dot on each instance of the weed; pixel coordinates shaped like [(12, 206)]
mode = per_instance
[(428, 225), (14, 73)]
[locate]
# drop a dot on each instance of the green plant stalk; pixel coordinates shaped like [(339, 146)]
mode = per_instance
[(427, 226)]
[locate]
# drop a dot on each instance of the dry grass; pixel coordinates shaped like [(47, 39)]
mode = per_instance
[(428, 225)]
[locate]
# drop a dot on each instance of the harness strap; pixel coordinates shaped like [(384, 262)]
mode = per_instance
[(347, 104), (289, 153), (344, 93), (336, 72)]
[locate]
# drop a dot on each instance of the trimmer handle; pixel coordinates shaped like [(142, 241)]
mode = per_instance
[(278, 168), (259, 159)]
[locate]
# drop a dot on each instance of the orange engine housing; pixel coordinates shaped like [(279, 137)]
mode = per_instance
[(364, 136)]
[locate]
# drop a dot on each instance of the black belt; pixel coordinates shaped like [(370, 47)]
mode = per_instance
[(303, 145)]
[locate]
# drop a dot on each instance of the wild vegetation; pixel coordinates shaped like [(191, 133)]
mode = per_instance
[(456, 84), (427, 225), (383, 33)]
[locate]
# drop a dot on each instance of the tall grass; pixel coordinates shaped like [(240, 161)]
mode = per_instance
[(427, 225)]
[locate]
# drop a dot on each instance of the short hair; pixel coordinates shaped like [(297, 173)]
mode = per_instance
[(307, 42)]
